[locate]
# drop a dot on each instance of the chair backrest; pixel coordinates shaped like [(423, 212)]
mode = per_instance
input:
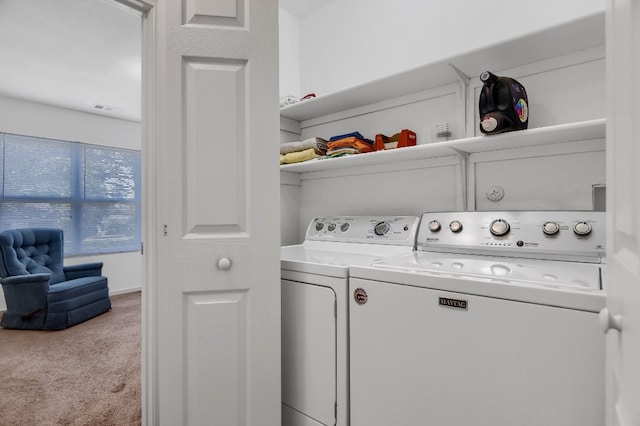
[(32, 251)]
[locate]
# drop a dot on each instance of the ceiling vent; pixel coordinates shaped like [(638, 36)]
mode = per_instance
[(107, 108)]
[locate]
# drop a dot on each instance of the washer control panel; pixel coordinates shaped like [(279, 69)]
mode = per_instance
[(545, 234), (399, 230)]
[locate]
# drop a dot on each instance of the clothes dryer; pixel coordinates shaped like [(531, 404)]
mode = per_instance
[(492, 321), (315, 285)]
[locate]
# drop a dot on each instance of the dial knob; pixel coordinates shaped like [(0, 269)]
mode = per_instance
[(455, 226), (319, 226), (582, 228), (434, 226), (345, 227), (331, 227), (550, 228), (381, 228), (499, 227)]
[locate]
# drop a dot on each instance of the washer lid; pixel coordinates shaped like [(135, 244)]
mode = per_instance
[(507, 270), (334, 259), (552, 283)]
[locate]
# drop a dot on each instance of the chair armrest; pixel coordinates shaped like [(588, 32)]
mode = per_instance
[(93, 269), (26, 279), (26, 294)]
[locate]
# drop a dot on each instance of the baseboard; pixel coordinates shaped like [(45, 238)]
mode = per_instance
[(124, 291), (3, 306)]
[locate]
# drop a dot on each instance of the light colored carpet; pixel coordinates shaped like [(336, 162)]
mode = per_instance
[(88, 374)]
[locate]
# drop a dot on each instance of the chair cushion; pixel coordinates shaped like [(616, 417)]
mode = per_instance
[(68, 290), (32, 251)]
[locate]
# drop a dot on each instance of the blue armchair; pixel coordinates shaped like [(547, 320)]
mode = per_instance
[(41, 293)]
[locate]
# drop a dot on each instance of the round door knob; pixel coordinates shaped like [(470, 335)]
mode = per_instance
[(224, 263), (608, 321)]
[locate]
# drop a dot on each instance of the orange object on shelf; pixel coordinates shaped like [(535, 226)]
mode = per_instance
[(400, 140)]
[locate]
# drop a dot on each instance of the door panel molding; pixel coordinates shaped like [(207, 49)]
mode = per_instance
[(215, 358), (221, 13), (215, 142)]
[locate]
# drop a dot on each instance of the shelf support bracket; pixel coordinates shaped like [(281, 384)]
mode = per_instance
[(464, 92), (464, 182)]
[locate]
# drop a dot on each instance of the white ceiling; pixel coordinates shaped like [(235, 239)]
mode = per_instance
[(71, 53), (302, 8), (78, 54)]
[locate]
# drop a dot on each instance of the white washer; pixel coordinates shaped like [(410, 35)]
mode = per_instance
[(492, 321), (315, 286)]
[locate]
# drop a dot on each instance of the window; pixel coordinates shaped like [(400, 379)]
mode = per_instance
[(91, 192)]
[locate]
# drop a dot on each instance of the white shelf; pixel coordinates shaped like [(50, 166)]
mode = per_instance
[(581, 34), (572, 132)]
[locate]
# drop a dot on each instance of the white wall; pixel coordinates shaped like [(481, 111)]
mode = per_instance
[(340, 48), (350, 42), (34, 119), (124, 270), (289, 54)]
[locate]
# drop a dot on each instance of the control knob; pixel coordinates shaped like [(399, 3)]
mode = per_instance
[(582, 228), (550, 228), (381, 228), (499, 227), (455, 226), (434, 226)]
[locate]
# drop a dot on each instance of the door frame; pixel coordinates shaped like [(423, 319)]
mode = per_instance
[(149, 203), (148, 10)]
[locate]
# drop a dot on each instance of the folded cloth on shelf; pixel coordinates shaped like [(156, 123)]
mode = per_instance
[(321, 146), (339, 152), (357, 144), (318, 144), (349, 135), (298, 156), (288, 100)]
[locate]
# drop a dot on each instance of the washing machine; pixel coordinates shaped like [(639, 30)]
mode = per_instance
[(491, 321), (315, 286)]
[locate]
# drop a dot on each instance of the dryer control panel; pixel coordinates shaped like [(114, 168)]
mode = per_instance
[(397, 230), (562, 235)]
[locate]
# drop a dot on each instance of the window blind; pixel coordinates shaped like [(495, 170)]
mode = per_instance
[(91, 192)]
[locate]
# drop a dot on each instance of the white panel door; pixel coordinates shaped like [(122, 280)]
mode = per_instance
[(623, 213), (215, 217)]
